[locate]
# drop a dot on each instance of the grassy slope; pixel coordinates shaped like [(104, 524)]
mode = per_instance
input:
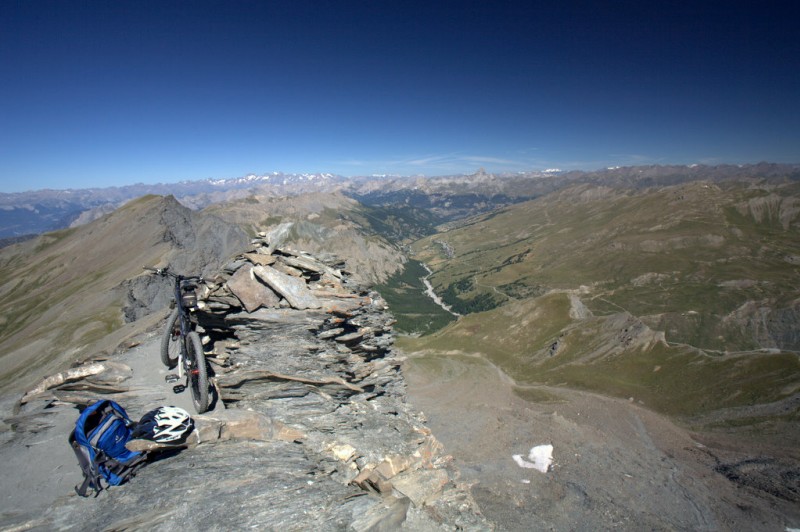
[(677, 250), (675, 380), (57, 292), (682, 259)]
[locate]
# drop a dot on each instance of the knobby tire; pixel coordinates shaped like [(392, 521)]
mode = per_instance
[(198, 380), (171, 343)]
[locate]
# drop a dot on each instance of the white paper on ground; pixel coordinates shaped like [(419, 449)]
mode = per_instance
[(539, 458)]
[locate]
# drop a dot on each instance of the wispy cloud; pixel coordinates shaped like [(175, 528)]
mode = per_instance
[(460, 162), (617, 159), (494, 160), (439, 163), (427, 160)]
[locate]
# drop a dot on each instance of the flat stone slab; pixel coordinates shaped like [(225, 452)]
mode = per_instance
[(330, 333), (260, 259), (304, 263), (352, 337), (293, 289)]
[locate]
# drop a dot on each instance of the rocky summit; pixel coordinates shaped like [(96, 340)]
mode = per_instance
[(309, 426)]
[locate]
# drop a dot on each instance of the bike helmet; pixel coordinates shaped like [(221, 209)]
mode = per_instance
[(166, 424)]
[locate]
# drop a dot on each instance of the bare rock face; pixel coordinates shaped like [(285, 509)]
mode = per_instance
[(313, 431)]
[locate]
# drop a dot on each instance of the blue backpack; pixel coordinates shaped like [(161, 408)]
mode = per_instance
[(99, 439)]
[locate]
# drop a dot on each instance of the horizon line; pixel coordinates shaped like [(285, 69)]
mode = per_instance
[(551, 171)]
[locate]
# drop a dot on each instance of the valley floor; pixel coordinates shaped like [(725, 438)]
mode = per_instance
[(616, 464)]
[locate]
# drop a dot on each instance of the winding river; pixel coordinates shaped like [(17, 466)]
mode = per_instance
[(431, 294)]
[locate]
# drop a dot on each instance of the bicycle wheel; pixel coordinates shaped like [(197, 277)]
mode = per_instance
[(171, 341), (198, 376)]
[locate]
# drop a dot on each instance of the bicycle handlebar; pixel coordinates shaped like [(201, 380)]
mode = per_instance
[(164, 272)]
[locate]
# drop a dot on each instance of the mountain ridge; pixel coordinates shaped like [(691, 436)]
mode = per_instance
[(24, 213)]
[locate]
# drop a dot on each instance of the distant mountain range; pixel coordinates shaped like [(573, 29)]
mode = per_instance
[(39, 211), (452, 196)]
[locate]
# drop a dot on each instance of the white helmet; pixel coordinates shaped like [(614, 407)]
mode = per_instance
[(166, 424)]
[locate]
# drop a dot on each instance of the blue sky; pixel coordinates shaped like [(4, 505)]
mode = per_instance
[(112, 93)]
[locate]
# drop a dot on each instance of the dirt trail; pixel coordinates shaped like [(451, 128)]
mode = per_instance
[(616, 464)]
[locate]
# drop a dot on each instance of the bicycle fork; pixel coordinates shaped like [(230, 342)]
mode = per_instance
[(184, 371), (181, 375)]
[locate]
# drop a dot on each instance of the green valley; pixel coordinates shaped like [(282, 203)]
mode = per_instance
[(685, 298)]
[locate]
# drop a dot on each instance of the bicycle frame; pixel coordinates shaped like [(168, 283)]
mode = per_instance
[(185, 324), (181, 333)]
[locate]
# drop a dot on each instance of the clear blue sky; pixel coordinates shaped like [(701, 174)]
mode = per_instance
[(118, 92)]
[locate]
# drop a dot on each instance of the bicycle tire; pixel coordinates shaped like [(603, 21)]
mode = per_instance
[(171, 343), (198, 374)]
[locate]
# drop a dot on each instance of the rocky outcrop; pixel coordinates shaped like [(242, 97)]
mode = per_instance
[(768, 325), (772, 208), (311, 428), (198, 244)]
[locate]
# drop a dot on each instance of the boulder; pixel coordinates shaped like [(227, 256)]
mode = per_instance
[(252, 293), (421, 486)]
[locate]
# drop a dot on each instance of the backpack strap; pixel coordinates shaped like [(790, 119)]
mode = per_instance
[(91, 469), (120, 471), (91, 479)]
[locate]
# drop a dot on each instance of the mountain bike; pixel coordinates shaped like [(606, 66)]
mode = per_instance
[(181, 346)]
